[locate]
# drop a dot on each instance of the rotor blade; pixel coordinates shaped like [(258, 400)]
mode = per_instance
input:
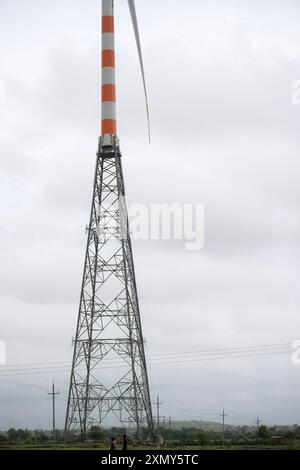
[(138, 43)]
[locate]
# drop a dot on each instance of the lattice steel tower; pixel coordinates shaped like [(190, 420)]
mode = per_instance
[(109, 374)]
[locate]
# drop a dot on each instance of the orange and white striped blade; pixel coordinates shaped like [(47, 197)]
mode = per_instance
[(139, 48), (109, 120)]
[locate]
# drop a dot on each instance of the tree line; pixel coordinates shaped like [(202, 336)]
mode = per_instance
[(181, 436)]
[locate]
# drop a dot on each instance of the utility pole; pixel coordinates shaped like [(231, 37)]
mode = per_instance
[(53, 393), (157, 403), (257, 422), (164, 429), (170, 423), (223, 414)]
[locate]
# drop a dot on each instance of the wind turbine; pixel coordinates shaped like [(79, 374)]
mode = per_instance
[(109, 380)]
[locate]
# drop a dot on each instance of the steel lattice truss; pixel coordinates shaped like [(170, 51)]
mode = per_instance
[(109, 374)]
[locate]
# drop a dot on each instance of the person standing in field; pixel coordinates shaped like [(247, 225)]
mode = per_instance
[(125, 443), (113, 444)]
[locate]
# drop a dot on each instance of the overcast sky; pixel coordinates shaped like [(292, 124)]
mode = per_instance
[(224, 134)]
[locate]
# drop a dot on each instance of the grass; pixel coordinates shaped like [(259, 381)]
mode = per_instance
[(104, 446)]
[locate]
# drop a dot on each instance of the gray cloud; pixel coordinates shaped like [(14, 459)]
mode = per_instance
[(224, 134)]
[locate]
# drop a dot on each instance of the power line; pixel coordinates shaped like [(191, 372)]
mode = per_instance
[(241, 348), (16, 372), (203, 351), (215, 353), (240, 356)]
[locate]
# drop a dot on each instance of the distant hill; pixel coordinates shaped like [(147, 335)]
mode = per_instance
[(205, 425)]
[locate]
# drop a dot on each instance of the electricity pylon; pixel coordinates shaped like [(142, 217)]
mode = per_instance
[(109, 324)]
